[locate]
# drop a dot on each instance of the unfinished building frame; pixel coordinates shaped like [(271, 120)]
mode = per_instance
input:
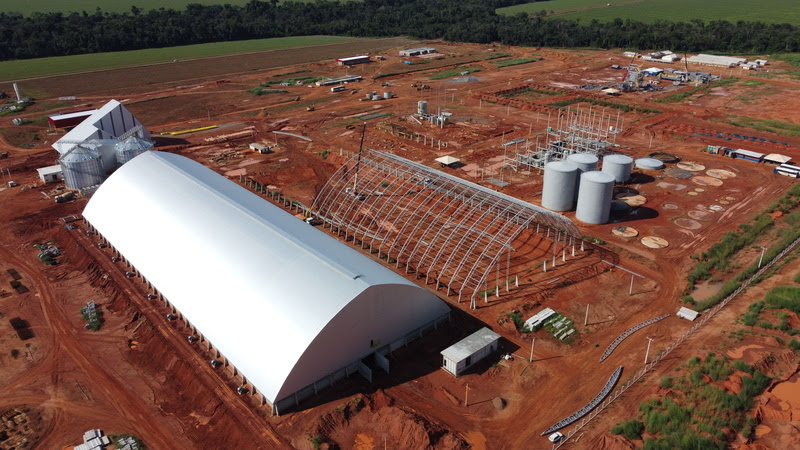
[(574, 131), (451, 231)]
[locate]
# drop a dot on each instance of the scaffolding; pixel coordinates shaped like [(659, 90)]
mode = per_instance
[(451, 231), (576, 131)]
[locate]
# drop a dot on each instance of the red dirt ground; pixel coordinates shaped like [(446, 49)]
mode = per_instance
[(165, 392)]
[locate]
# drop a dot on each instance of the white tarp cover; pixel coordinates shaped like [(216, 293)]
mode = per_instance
[(447, 160), (283, 301)]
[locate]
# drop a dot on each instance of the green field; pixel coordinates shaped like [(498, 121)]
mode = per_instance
[(767, 11), (29, 68), (90, 6)]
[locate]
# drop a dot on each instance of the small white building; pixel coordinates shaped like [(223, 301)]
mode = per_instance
[(716, 60), (417, 51), (465, 353), (688, 314), (50, 174)]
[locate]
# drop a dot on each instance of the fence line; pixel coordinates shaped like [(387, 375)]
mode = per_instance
[(649, 366)]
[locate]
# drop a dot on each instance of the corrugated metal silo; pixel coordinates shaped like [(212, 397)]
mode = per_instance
[(82, 167), (586, 162), (130, 148), (558, 192), (619, 166), (422, 107), (594, 198)]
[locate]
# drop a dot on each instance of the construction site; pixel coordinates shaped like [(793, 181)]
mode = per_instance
[(546, 195)]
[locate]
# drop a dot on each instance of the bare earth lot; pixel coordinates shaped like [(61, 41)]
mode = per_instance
[(139, 374)]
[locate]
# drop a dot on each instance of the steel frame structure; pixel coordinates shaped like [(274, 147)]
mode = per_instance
[(449, 230), (575, 131)]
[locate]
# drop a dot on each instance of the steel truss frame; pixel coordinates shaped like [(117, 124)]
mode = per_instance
[(449, 230), (576, 131)]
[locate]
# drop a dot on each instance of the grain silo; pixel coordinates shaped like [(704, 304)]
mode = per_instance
[(82, 167), (586, 162), (619, 166), (649, 164), (594, 198), (131, 147), (558, 192)]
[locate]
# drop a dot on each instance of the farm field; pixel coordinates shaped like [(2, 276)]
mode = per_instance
[(90, 6), (769, 11), (15, 70)]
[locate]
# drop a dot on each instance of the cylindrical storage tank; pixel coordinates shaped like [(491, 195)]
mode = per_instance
[(369, 95), (422, 107), (130, 148), (619, 166), (82, 167), (387, 94), (649, 164), (558, 192), (586, 162), (594, 198), (376, 97)]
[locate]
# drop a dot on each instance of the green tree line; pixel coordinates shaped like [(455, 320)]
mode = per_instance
[(56, 34)]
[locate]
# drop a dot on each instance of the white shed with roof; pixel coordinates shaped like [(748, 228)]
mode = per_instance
[(465, 353)]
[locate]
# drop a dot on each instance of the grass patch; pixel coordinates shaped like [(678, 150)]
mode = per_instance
[(606, 104), (651, 11), (678, 97), (513, 62), (697, 414), (768, 125), (15, 70), (457, 71)]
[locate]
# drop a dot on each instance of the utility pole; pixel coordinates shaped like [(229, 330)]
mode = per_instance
[(586, 320), (466, 396), (533, 340), (647, 353), (761, 259)]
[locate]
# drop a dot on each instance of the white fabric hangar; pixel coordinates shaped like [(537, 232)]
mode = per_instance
[(285, 303)]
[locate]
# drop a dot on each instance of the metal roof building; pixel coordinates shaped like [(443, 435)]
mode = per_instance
[(716, 60), (467, 352), (69, 119), (291, 308), (109, 122)]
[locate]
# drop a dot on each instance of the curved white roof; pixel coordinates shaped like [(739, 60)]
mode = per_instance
[(283, 301)]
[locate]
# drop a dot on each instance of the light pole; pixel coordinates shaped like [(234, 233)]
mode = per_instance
[(647, 353), (761, 259), (532, 342)]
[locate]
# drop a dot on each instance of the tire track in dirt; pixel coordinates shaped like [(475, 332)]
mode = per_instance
[(109, 388)]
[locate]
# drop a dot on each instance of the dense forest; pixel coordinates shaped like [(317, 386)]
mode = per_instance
[(54, 34)]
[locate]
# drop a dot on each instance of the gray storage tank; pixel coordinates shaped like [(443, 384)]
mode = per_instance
[(422, 107), (649, 164), (558, 192), (82, 167), (594, 198), (130, 148), (586, 162), (619, 166)]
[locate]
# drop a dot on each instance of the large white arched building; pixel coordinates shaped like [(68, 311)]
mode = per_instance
[(287, 305)]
